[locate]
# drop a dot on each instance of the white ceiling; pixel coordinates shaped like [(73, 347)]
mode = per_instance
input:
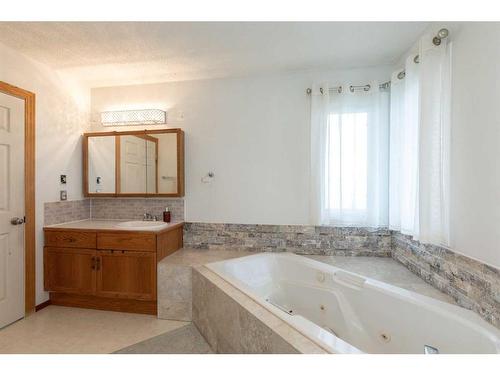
[(118, 53)]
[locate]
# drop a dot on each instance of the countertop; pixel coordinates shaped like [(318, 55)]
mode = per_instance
[(110, 225)]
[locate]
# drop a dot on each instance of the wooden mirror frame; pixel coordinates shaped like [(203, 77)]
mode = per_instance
[(140, 133)]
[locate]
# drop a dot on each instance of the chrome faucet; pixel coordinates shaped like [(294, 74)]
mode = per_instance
[(148, 217), (430, 350)]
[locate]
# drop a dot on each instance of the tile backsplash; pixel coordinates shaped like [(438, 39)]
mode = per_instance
[(134, 208), (111, 208), (62, 212)]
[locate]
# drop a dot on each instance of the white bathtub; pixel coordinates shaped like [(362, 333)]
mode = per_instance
[(347, 313)]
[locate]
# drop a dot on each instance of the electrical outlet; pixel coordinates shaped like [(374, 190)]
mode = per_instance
[(63, 194)]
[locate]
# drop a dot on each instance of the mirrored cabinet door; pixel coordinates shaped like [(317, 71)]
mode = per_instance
[(135, 163), (131, 163), (167, 168), (101, 165)]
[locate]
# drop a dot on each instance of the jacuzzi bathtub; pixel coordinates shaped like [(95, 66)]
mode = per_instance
[(347, 313)]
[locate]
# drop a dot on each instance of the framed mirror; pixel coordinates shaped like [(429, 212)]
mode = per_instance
[(134, 163)]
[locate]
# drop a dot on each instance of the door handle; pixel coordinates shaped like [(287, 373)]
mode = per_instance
[(16, 221)]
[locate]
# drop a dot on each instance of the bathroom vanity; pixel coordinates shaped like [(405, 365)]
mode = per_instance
[(107, 265)]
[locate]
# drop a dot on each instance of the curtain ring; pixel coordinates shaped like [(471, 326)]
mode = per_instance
[(339, 89), (367, 88), (321, 90), (351, 88)]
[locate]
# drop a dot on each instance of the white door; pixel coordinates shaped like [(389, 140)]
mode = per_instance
[(133, 164), (11, 207)]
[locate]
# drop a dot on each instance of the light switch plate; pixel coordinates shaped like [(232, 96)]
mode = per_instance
[(63, 195), (63, 179)]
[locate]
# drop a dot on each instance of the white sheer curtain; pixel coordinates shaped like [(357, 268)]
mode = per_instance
[(403, 183), (320, 104), (349, 157), (435, 92), (419, 146)]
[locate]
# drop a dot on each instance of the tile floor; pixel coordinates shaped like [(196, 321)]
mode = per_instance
[(58, 329), (184, 340)]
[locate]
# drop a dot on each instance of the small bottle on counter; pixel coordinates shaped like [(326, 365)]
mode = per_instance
[(166, 215)]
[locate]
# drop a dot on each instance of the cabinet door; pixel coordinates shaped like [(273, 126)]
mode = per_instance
[(70, 270), (126, 274)]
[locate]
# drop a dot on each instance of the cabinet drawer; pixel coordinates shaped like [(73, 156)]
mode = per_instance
[(70, 239), (127, 241)]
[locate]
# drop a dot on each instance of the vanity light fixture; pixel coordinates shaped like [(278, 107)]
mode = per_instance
[(134, 117)]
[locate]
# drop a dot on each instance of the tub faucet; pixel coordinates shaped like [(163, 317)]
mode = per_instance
[(430, 350)]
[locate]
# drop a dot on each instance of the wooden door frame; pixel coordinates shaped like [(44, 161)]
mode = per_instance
[(29, 191)]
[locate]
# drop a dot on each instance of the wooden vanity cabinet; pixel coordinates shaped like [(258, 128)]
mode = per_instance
[(126, 274), (107, 270), (70, 270)]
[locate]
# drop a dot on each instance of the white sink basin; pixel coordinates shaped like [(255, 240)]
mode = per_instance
[(140, 224)]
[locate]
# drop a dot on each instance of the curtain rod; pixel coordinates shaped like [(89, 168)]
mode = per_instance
[(441, 34), (352, 88), (402, 73)]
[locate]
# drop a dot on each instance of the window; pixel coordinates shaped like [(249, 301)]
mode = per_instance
[(347, 164), (349, 158)]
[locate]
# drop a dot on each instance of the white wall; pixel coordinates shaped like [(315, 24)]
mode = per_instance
[(252, 132), (475, 142), (61, 114)]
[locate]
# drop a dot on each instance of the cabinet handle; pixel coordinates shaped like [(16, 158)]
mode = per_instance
[(93, 263)]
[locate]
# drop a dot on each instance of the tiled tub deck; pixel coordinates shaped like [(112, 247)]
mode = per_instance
[(190, 292)]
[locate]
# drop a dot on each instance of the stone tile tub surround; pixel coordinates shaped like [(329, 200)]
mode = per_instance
[(175, 280), (233, 323), (472, 284), (300, 239)]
